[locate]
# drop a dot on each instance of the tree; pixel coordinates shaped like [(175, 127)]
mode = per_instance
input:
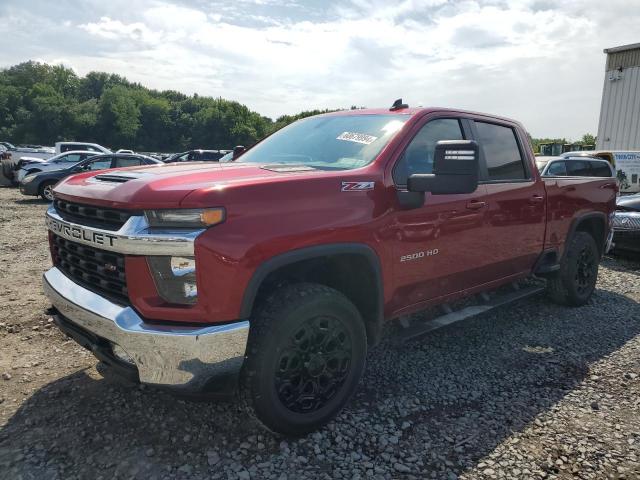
[(118, 116), (41, 104), (588, 139)]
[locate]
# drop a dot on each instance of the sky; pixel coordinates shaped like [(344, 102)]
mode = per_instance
[(538, 61)]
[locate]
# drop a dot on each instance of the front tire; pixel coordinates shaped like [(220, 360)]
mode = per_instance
[(305, 356), (46, 191), (574, 284)]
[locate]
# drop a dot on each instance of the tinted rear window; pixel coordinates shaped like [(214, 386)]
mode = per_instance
[(579, 168), (599, 169), (501, 152)]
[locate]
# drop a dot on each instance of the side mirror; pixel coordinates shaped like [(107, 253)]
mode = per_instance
[(455, 169), (238, 150)]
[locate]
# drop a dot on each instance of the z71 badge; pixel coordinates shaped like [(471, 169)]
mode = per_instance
[(356, 186)]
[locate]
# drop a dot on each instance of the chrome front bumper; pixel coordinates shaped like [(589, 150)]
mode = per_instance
[(185, 358)]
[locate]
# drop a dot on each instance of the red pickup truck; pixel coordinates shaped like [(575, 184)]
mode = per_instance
[(272, 275)]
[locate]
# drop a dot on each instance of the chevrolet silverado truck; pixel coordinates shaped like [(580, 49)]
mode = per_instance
[(272, 275)]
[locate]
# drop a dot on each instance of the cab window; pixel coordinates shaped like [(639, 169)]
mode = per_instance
[(501, 152), (579, 168), (74, 157), (98, 164), (600, 169), (557, 169), (418, 156), (128, 162)]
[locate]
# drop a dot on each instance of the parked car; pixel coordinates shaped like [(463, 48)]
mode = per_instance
[(275, 272), (574, 167), (41, 183), (62, 147), (19, 158), (197, 156), (626, 225), (626, 164), (60, 161)]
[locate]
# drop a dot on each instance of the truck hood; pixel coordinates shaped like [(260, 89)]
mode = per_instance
[(166, 186)]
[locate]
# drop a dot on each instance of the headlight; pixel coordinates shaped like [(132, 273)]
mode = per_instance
[(185, 217), (28, 178), (175, 278)]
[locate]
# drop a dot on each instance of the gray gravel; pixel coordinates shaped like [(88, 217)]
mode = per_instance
[(529, 391)]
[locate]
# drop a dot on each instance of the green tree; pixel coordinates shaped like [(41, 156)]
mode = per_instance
[(118, 116), (588, 139), (41, 104)]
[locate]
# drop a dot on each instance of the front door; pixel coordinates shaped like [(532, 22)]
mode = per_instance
[(435, 246)]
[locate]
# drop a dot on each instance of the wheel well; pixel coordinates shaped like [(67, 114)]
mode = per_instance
[(351, 274), (594, 226), (45, 183)]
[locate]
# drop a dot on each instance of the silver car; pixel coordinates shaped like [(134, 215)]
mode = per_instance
[(60, 161)]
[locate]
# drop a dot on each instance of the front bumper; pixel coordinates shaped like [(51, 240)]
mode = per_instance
[(30, 188), (189, 359)]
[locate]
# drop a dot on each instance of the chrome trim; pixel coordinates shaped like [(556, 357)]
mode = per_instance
[(135, 237), (175, 356), (624, 220), (609, 243)]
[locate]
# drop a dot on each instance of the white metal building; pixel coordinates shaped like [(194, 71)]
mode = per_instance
[(619, 126)]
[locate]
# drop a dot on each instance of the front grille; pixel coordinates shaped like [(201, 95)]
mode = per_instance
[(623, 220), (91, 215), (97, 270)]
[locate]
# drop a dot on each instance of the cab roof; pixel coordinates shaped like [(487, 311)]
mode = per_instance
[(413, 111)]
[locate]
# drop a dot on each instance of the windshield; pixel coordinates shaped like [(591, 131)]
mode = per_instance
[(333, 142)]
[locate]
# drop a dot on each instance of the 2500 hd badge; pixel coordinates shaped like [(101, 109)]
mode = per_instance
[(79, 233)]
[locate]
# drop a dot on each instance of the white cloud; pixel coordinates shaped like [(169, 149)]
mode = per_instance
[(540, 62), (117, 30)]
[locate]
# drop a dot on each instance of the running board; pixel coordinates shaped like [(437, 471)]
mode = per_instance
[(420, 328)]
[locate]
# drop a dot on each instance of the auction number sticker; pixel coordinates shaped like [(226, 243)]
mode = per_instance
[(357, 137)]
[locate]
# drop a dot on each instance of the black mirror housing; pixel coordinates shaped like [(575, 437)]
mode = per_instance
[(455, 169)]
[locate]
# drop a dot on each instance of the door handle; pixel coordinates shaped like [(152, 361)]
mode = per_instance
[(613, 186), (536, 199), (476, 205)]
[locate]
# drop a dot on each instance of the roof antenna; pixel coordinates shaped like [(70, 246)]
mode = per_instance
[(397, 105)]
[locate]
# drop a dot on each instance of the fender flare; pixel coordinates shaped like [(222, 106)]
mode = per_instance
[(308, 253), (581, 218)]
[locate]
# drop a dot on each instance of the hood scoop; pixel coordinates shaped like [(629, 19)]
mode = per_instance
[(284, 168), (119, 177)]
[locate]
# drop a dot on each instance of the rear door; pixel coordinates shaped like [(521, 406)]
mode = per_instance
[(514, 222)]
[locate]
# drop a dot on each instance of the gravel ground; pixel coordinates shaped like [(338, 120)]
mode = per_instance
[(529, 391)]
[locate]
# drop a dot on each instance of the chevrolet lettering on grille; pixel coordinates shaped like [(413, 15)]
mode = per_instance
[(74, 232)]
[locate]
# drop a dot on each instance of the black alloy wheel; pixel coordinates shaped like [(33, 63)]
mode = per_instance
[(315, 365), (306, 353)]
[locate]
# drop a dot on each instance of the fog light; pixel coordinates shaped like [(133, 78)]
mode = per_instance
[(121, 354), (175, 278)]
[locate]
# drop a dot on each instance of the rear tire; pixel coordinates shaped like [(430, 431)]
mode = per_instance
[(305, 356), (574, 284), (46, 191)]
